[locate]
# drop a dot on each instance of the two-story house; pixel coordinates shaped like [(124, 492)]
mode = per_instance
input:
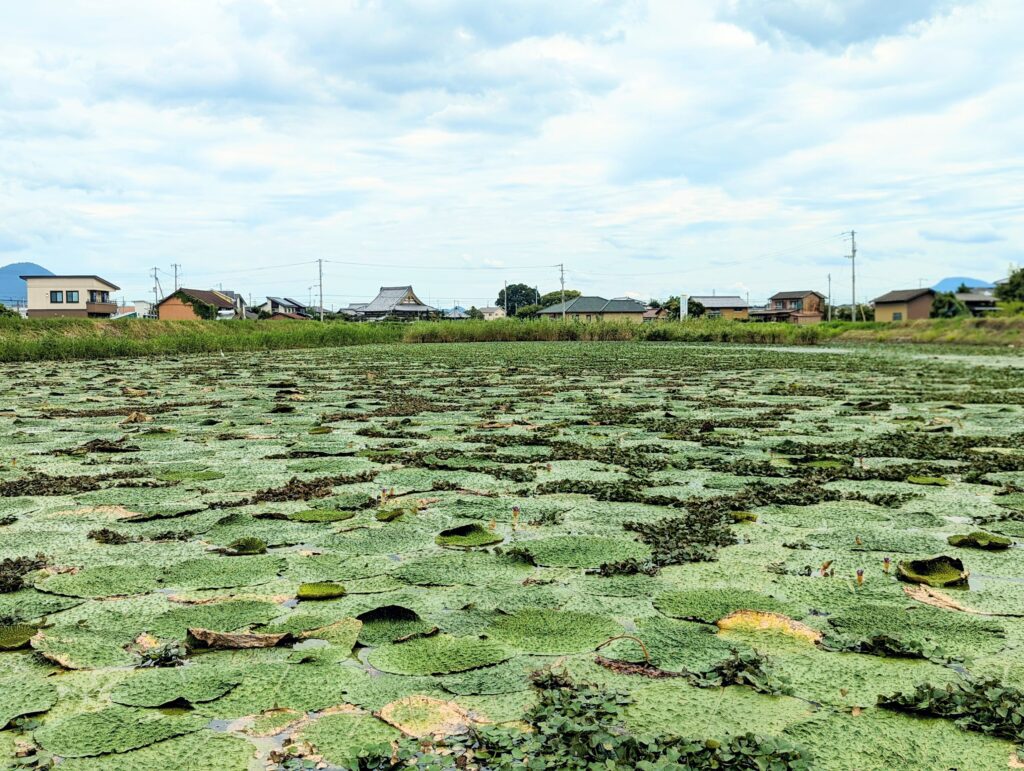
[(800, 307), (84, 296)]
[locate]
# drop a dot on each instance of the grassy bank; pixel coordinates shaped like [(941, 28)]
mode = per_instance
[(66, 339)]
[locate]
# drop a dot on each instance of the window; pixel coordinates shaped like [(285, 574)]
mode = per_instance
[(56, 297), (779, 305), (588, 317), (897, 315), (798, 305), (71, 296)]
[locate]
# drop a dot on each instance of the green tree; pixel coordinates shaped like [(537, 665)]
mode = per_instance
[(518, 294), (1013, 289), (962, 288), (6, 312), (946, 306), (553, 298), (475, 313), (527, 311), (693, 308)]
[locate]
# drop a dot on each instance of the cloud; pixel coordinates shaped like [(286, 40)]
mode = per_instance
[(648, 145), (830, 23), (967, 237)]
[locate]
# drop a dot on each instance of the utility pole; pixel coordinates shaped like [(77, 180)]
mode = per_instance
[(175, 266), (684, 306), (320, 267), (157, 290), (853, 274), (829, 296), (506, 299), (561, 274)]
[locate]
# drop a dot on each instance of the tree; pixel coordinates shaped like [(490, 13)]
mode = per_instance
[(1013, 288), (527, 311), (553, 298), (518, 294), (946, 306), (962, 288), (693, 308), (6, 312), (475, 313)]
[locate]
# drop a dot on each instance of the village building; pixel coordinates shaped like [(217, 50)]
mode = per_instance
[(195, 304), (723, 306), (392, 302), (655, 314), (904, 305), (797, 307), (492, 312), (597, 309), (83, 296), (979, 303), (282, 305)]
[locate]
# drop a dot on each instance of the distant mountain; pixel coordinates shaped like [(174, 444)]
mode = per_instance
[(12, 288), (953, 283)]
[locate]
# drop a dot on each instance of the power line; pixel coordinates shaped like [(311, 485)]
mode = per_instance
[(441, 267)]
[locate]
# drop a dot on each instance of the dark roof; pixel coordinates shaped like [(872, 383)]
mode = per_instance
[(390, 300), (624, 305), (284, 301), (594, 304), (284, 315), (721, 301), (46, 275), (206, 297), (795, 295), (903, 295)]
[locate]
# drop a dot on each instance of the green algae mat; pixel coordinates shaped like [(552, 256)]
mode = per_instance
[(325, 558)]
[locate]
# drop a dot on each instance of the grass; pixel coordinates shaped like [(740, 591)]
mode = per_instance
[(70, 339)]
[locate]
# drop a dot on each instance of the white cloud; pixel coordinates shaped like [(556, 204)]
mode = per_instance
[(649, 145)]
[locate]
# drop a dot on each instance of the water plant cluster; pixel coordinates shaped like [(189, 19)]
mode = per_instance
[(536, 555)]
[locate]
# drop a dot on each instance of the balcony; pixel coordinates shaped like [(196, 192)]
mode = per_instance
[(100, 309)]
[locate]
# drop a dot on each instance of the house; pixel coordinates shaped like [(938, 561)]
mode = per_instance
[(904, 305), (979, 303), (799, 307), (192, 304), (282, 316), (724, 306), (84, 296), (597, 309), (455, 314), (492, 312), (655, 314), (397, 302), (282, 305)]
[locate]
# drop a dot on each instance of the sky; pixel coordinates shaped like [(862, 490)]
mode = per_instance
[(651, 147)]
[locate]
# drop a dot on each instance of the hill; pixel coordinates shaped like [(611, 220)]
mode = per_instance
[(12, 288), (953, 283)]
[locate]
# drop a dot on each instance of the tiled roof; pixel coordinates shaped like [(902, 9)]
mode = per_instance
[(624, 305), (795, 295), (389, 300), (903, 295), (715, 302), (205, 296), (595, 304)]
